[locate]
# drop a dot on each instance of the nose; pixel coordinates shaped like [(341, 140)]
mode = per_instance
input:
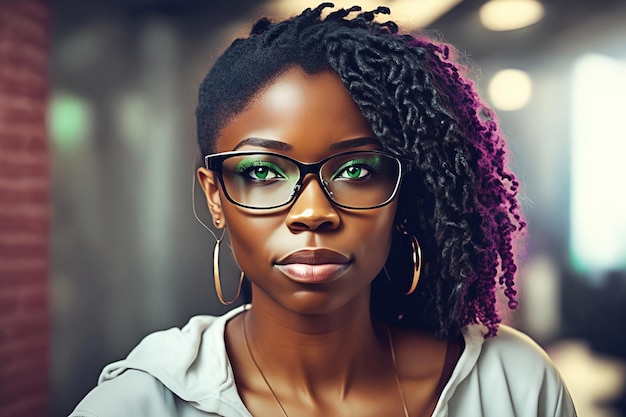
[(312, 210)]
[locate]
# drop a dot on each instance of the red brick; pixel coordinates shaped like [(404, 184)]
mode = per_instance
[(15, 224), (24, 208), (23, 113), (35, 301), (22, 239), (8, 304), (32, 141), (18, 166), (38, 181), (18, 196), (35, 405), (26, 360), (35, 347), (22, 325), (9, 279), (26, 252), (23, 386)]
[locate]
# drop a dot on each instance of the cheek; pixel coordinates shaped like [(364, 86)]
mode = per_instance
[(372, 234), (250, 236), (374, 237)]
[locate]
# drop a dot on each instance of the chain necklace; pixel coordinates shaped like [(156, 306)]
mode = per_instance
[(393, 360)]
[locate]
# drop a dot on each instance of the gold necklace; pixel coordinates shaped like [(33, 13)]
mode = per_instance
[(393, 360)]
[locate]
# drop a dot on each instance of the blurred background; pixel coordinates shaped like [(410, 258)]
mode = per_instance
[(128, 257)]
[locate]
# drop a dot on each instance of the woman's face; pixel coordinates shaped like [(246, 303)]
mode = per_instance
[(310, 256)]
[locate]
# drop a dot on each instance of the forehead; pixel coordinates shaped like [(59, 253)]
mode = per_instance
[(306, 112)]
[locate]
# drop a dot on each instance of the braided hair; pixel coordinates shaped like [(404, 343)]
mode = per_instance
[(459, 199)]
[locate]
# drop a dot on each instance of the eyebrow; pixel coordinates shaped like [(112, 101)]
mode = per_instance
[(354, 143), (264, 143), (282, 146)]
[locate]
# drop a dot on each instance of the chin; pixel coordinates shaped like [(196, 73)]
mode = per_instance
[(324, 303)]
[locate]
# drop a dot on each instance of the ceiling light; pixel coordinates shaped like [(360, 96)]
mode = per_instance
[(501, 15), (510, 89)]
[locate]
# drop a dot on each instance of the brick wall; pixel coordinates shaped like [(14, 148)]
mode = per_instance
[(24, 208)]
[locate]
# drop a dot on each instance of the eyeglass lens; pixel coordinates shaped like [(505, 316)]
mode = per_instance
[(356, 180)]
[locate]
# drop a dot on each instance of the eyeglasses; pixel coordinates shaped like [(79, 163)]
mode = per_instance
[(267, 180)]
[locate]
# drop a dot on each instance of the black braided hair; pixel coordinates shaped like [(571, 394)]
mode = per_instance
[(460, 198)]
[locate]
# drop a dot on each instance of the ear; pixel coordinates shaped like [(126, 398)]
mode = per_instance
[(210, 185)]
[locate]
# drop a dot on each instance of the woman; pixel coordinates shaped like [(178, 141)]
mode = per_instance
[(363, 187)]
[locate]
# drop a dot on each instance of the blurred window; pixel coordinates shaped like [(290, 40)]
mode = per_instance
[(598, 176)]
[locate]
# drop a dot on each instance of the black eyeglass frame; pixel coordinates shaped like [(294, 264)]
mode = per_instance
[(215, 161)]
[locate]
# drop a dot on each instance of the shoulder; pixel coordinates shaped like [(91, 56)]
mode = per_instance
[(132, 393), (514, 357), (181, 367), (514, 351), (171, 355), (508, 374)]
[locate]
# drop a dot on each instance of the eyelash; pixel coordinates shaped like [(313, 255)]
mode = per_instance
[(245, 166), (372, 165)]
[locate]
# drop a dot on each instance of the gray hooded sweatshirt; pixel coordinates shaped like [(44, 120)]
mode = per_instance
[(186, 373)]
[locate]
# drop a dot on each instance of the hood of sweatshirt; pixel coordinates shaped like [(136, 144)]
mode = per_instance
[(191, 362)]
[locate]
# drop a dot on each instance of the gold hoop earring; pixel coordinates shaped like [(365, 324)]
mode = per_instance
[(416, 258), (216, 274), (416, 252), (216, 250)]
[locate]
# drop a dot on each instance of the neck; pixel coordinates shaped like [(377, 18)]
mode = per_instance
[(316, 350)]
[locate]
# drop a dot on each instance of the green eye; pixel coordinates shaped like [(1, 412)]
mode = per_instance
[(256, 170), (260, 173), (358, 169), (354, 172)]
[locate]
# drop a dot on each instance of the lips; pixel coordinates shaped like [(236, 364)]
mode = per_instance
[(313, 265)]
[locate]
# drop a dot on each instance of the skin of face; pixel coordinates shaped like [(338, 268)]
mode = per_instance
[(307, 117)]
